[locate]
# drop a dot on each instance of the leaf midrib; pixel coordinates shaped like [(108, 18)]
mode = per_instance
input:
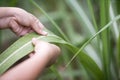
[(19, 50)]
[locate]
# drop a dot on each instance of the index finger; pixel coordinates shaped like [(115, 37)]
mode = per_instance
[(38, 26)]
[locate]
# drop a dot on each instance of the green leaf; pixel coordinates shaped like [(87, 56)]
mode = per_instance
[(53, 69), (118, 48), (50, 19), (23, 46), (81, 15), (87, 42), (106, 53), (115, 28)]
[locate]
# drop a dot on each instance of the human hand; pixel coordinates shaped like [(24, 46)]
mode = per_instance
[(20, 21), (45, 50), (44, 55)]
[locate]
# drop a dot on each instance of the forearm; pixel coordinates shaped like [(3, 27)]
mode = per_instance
[(30, 69), (27, 70)]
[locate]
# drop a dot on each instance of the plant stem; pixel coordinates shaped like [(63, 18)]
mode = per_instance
[(104, 15)]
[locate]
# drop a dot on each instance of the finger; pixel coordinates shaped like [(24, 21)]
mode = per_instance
[(35, 20), (15, 26), (34, 41), (4, 22), (25, 31), (38, 27)]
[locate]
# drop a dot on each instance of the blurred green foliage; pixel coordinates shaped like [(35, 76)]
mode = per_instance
[(79, 20), (8, 3)]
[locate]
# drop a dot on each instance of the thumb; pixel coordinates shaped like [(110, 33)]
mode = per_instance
[(34, 41)]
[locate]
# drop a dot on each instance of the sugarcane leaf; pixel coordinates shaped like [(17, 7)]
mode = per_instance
[(87, 42), (23, 46), (118, 48), (50, 19)]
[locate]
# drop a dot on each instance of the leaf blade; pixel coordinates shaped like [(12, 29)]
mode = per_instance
[(26, 49)]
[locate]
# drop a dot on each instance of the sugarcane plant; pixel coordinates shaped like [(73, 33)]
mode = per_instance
[(95, 50)]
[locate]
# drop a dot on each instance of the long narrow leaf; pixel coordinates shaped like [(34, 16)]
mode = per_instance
[(92, 14), (101, 30), (118, 48), (21, 48), (115, 28), (82, 16), (55, 25), (24, 46), (106, 53)]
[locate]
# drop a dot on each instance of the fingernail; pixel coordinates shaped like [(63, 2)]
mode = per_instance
[(33, 39), (44, 33)]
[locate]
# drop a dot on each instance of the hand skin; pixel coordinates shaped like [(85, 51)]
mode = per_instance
[(45, 53), (20, 21)]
